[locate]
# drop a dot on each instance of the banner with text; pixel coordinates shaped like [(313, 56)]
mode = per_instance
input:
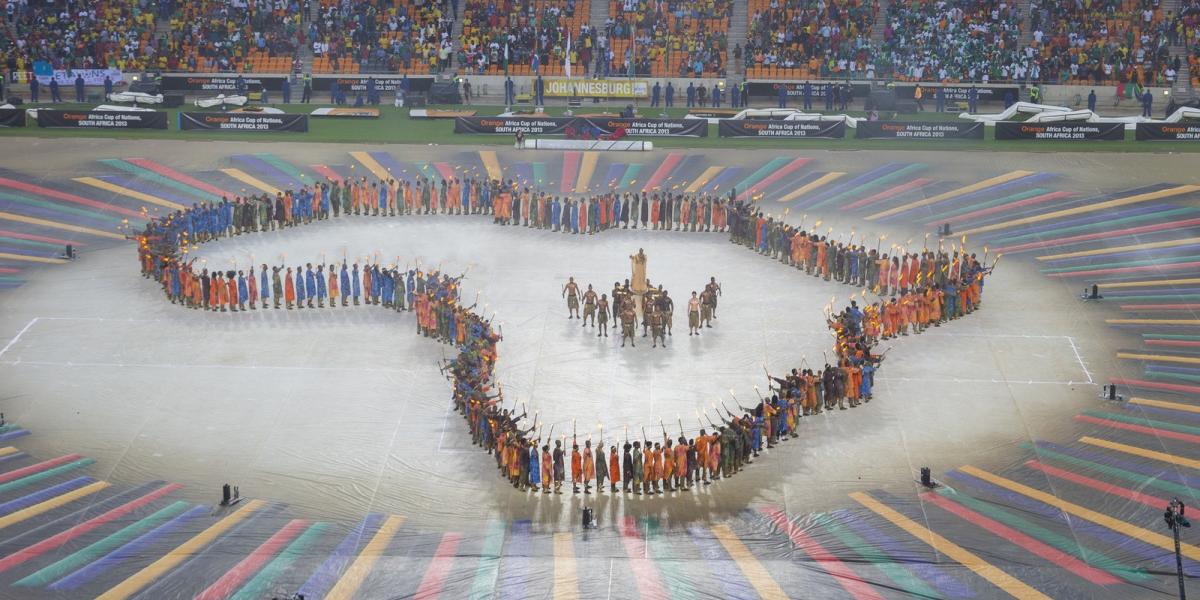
[(12, 117), (649, 127), (1172, 132), (220, 84), (100, 119), (511, 125), (601, 88), (1011, 130), (579, 126), (918, 130), (818, 89), (66, 77), (189, 121), (957, 93), (358, 83), (783, 129)]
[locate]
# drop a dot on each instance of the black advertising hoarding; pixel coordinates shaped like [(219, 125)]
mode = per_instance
[(12, 117), (101, 119), (957, 93), (191, 121), (358, 83), (782, 129), (796, 89), (532, 125), (220, 84), (1079, 131), (1168, 132), (511, 125), (650, 127), (918, 130)]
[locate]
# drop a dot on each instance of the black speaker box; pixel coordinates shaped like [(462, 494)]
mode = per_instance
[(173, 100)]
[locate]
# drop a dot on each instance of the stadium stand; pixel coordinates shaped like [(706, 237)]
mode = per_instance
[(1101, 41), (104, 33), (541, 27), (219, 36), (676, 39), (381, 36), (954, 40), (800, 39)]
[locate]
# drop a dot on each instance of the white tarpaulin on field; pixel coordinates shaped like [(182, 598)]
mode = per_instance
[(220, 100), (136, 97)]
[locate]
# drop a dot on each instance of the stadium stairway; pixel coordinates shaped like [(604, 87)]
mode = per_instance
[(738, 24), (597, 17), (880, 23)]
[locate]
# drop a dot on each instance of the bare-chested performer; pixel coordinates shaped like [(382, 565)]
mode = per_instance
[(571, 293)]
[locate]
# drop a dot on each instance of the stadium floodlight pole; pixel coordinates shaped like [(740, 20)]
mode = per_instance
[(1175, 520)]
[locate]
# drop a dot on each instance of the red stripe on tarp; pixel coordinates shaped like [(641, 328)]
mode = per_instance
[(668, 163), (38, 238), (1178, 343), (1103, 235), (1157, 385), (888, 193), (1146, 429), (983, 212), (59, 539), (1054, 555), (1100, 486), (170, 173), (848, 579), (445, 169), (649, 584), (72, 198), (570, 170), (235, 577), (327, 172), (38, 468), (9, 270), (774, 177), (1187, 266), (1154, 307), (435, 575)]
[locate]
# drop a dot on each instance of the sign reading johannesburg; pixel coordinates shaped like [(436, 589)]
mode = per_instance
[(604, 88)]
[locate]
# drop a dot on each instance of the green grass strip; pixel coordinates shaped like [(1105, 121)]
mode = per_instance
[(1065, 544), (907, 581), (488, 573), (72, 562), (163, 180), (1164, 425), (47, 474), (1137, 479), (257, 587), (678, 582)]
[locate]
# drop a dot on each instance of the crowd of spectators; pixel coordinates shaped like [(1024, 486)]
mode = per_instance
[(81, 35), (1185, 31), (679, 38), (1102, 41), (954, 40), (806, 39), (231, 35), (382, 36), (538, 35)]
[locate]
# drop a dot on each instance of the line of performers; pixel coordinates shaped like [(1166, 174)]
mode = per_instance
[(656, 315), (507, 201)]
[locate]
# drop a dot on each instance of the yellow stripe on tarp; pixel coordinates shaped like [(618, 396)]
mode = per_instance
[(371, 164), (1132, 247), (566, 580), (124, 191), (251, 180), (5, 451), (1103, 520), (35, 259), (1150, 283), (1164, 404), (1087, 208), (353, 578), (1185, 360), (491, 165), (136, 582), (51, 504), (1142, 452), (819, 182), (586, 170), (56, 225), (1152, 321), (755, 573), (974, 187), (703, 179), (1013, 586)]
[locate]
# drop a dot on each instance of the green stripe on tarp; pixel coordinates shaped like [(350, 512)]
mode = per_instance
[(1143, 421), (1090, 556), (86, 555), (163, 180), (1160, 376), (488, 573), (772, 165), (879, 182), (1129, 263), (678, 582), (1137, 479), (1158, 297), (1101, 226), (257, 587), (47, 474), (284, 166), (539, 173), (59, 208), (1171, 336), (1017, 197), (630, 176), (904, 579), (32, 243)]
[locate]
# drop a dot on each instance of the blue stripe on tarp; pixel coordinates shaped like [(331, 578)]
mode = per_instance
[(12, 435), (1149, 470), (139, 185), (820, 198), (722, 566), (130, 549), (722, 180), (1022, 182), (44, 494), (323, 579), (514, 568), (389, 163), (946, 584), (612, 177), (267, 171)]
